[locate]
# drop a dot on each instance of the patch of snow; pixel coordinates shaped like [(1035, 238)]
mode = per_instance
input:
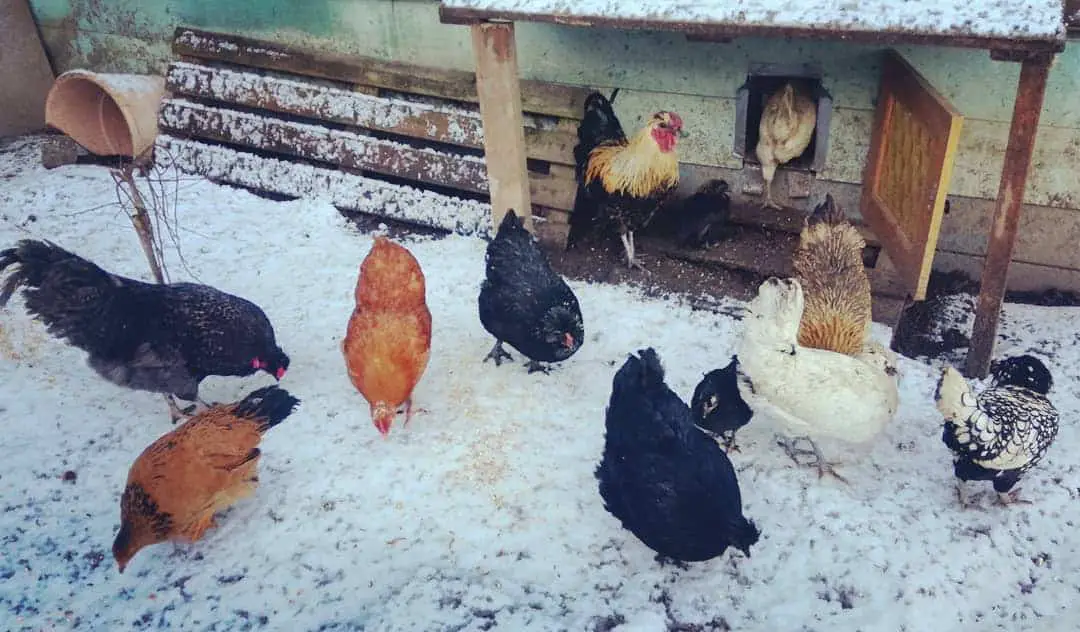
[(483, 513), (1026, 19)]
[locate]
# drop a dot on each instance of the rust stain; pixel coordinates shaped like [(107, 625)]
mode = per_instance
[(500, 39)]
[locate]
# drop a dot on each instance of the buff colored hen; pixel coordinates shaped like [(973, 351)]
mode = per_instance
[(828, 262), (786, 129), (388, 340)]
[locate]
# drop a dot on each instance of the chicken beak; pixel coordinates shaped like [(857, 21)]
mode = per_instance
[(383, 426), (568, 341), (280, 374)]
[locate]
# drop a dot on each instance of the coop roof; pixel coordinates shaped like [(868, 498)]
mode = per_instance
[(991, 24)]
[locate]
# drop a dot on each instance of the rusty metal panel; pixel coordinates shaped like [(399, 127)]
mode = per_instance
[(912, 149)]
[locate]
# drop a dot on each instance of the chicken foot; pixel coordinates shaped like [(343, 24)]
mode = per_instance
[(1003, 499), (628, 245), (408, 409), (176, 413), (498, 354), (769, 202), (536, 367), (794, 452)]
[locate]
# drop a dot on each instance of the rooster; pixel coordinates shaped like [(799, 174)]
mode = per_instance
[(143, 336), (1003, 431), (623, 181), (206, 464), (828, 262), (786, 129), (388, 340)]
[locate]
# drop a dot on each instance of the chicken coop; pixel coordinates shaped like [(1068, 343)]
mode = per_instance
[(947, 131)]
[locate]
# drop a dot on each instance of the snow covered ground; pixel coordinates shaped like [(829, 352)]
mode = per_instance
[(483, 513)]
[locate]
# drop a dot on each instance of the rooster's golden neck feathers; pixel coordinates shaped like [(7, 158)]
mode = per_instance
[(637, 168)]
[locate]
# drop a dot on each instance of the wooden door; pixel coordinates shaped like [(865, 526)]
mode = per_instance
[(912, 148)]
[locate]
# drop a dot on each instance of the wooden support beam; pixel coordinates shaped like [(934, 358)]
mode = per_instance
[(499, 92), (1002, 239)]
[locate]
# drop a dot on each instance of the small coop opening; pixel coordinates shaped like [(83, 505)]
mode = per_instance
[(762, 82)]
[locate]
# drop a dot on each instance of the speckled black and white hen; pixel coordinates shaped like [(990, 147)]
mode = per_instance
[(1003, 431)]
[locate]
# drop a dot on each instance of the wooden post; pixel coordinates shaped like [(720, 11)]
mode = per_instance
[(499, 94), (1010, 199)]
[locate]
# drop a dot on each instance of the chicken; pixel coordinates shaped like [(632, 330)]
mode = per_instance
[(623, 182), (388, 340), (666, 481), (524, 303), (1003, 431), (143, 336), (717, 406), (785, 131), (810, 393), (701, 220), (828, 262), (202, 467)]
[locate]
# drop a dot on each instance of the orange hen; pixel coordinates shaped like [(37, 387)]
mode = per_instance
[(209, 462), (388, 341)]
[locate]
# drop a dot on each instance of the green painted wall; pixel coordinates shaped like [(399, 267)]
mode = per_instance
[(655, 70)]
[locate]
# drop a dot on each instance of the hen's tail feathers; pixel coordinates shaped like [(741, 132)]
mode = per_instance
[(953, 395), (269, 405), (828, 212), (76, 299), (641, 373), (511, 223), (598, 124)]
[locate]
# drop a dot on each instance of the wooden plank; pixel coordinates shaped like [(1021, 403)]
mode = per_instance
[(716, 31), (1025, 123), (787, 220), (909, 166), (536, 96), (762, 252), (25, 74), (344, 148), (343, 188), (446, 124), (497, 86)]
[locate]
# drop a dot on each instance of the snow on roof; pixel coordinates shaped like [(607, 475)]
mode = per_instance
[(990, 19)]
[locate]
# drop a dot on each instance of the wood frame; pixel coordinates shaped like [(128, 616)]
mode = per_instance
[(1030, 90), (1036, 55), (499, 92), (910, 247)]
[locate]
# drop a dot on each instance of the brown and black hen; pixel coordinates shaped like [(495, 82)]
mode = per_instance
[(667, 482), (180, 481), (143, 336)]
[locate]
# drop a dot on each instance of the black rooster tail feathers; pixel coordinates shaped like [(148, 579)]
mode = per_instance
[(828, 212), (598, 124), (35, 260), (270, 405), (73, 297)]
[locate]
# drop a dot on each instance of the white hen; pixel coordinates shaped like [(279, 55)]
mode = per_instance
[(811, 393)]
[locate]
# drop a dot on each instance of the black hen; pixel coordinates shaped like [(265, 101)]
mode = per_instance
[(1003, 431), (143, 336), (701, 220), (524, 303), (667, 482), (717, 406)]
